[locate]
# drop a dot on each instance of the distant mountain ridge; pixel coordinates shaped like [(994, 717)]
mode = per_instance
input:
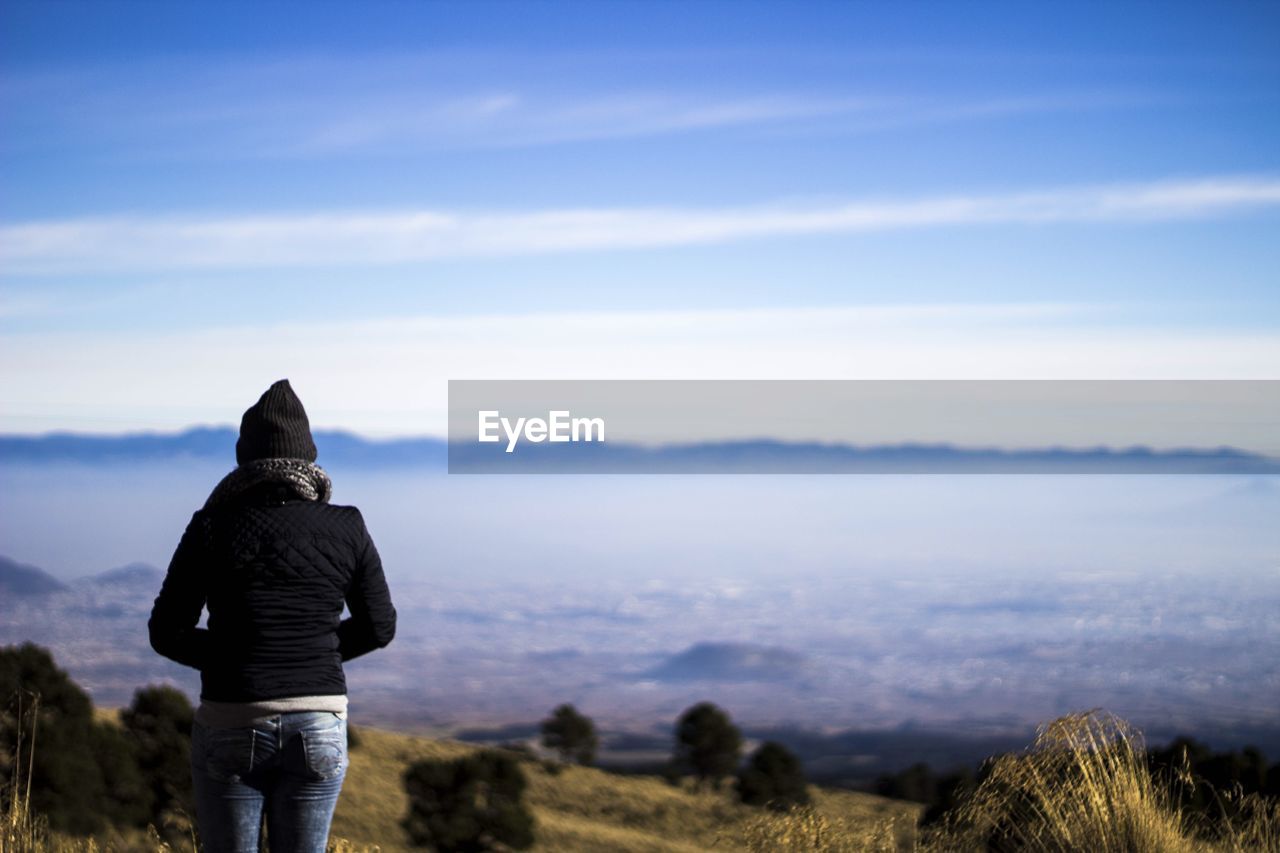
[(19, 580), (771, 456), (129, 574), (209, 443), (746, 456), (730, 662)]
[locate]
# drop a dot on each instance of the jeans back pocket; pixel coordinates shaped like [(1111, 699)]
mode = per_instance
[(227, 753), (324, 751)]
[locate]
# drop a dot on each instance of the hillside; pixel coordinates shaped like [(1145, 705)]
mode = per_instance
[(20, 580), (580, 809), (1086, 783)]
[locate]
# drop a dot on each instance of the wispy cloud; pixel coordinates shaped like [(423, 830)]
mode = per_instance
[(341, 104), (506, 119), (398, 237)]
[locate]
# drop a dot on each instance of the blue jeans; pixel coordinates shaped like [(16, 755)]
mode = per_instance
[(289, 767)]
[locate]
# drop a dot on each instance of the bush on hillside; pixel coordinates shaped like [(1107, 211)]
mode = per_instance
[(920, 784), (84, 774), (1201, 777), (474, 803), (707, 743), (159, 720), (773, 777), (127, 799), (570, 734), (917, 783)]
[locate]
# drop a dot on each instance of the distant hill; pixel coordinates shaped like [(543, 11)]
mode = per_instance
[(730, 662), (214, 444), (128, 575), (199, 443), (768, 456), (19, 580), (217, 444)]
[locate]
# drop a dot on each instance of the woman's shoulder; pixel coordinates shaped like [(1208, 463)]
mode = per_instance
[(343, 514), (274, 513)]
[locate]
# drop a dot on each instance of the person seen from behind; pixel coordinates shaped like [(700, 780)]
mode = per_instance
[(273, 562)]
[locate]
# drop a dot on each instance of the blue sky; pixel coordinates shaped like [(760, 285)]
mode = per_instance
[(378, 197)]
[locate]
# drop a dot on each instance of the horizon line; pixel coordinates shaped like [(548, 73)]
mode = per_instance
[(763, 440)]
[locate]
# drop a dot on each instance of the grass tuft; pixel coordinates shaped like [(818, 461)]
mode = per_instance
[(1085, 785)]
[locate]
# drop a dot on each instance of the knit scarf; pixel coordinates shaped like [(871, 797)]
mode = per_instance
[(307, 479)]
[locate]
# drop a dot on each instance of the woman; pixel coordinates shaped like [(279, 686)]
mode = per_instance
[(274, 562)]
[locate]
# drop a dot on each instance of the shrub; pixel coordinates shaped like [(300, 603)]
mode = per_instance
[(920, 784), (159, 720), (917, 783), (774, 778), (66, 779), (952, 790), (128, 798), (570, 734), (707, 743), (1201, 778), (472, 803)]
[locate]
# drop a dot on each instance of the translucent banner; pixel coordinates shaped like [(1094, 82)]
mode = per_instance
[(864, 426)]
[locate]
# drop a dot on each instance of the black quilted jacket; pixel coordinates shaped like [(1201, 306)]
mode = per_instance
[(274, 572)]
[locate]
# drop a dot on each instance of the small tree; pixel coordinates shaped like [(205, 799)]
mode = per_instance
[(474, 803), (160, 720), (66, 779), (917, 783), (570, 734), (707, 743), (128, 799), (774, 778)]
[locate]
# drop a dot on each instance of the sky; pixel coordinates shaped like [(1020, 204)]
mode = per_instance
[(372, 199)]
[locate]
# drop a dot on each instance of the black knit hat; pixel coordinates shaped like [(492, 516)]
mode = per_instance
[(275, 427)]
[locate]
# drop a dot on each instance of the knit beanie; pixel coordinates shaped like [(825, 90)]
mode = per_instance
[(275, 427)]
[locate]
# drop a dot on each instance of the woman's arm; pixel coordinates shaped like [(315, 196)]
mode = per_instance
[(177, 609), (372, 623)]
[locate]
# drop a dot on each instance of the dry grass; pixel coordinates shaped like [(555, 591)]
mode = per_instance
[(1082, 786), (20, 829), (805, 828), (1085, 785), (23, 831), (580, 808), (1256, 828)]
